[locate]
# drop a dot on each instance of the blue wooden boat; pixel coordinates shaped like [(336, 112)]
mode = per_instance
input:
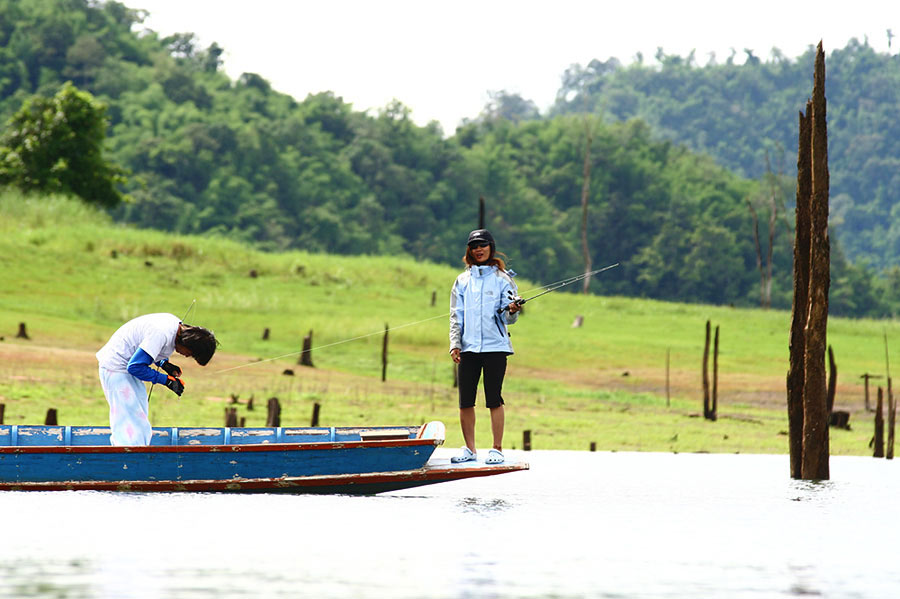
[(356, 460)]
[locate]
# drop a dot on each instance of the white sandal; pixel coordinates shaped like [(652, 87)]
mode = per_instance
[(495, 456), (466, 455)]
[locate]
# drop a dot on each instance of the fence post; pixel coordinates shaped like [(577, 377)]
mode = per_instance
[(526, 440), (306, 355), (706, 374), (892, 416), (315, 415), (231, 417), (51, 417), (879, 427), (274, 416), (714, 407), (384, 352)]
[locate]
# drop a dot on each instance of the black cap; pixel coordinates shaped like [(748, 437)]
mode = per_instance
[(480, 236)]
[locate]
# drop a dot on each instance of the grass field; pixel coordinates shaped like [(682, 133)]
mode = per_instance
[(73, 277)]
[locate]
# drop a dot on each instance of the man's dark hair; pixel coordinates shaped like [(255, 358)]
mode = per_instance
[(202, 343)]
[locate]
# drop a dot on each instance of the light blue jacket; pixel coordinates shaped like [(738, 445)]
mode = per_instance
[(475, 325)]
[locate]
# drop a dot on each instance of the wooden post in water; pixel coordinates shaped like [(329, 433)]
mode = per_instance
[(315, 415), (879, 428), (51, 417), (526, 440), (273, 418), (800, 304), (815, 464), (806, 383), (706, 374), (384, 354), (306, 355)]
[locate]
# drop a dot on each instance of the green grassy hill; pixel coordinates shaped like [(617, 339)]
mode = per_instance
[(73, 277)]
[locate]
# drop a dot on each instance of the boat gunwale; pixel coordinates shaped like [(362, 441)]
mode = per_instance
[(221, 448)]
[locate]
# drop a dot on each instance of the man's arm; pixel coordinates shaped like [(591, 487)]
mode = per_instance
[(139, 367)]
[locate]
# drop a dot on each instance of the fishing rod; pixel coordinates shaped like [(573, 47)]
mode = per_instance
[(558, 285)]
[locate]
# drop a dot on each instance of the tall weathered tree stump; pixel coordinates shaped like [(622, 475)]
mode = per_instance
[(806, 383)]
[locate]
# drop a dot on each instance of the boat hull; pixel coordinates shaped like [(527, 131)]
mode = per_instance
[(352, 460), (59, 454), (370, 483)]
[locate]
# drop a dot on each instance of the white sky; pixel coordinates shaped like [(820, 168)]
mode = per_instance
[(442, 58)]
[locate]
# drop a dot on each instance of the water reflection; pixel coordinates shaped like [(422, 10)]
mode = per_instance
[(578, 524), (30, 578), (483, 507)]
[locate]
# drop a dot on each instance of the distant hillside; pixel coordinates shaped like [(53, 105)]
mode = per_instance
[(746, 117), (208, 155)]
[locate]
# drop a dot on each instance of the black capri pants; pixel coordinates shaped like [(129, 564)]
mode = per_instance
[(470, 366)]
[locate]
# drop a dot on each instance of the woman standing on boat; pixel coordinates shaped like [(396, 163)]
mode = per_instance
[(482, 304), (125, 363)]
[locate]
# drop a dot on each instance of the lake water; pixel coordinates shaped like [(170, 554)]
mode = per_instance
[(578, 524)]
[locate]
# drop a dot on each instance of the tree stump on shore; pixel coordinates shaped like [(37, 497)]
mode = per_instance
[(273, 418), (306, 354)]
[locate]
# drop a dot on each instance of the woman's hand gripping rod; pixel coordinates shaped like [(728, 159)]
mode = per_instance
[(558, 285)]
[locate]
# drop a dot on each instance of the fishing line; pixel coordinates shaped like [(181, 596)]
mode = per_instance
[(548, 288), (402, 326)]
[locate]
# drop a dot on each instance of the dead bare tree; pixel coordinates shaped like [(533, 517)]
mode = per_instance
[(585, 193), (772, 200), (807, 387), (815, 465)]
